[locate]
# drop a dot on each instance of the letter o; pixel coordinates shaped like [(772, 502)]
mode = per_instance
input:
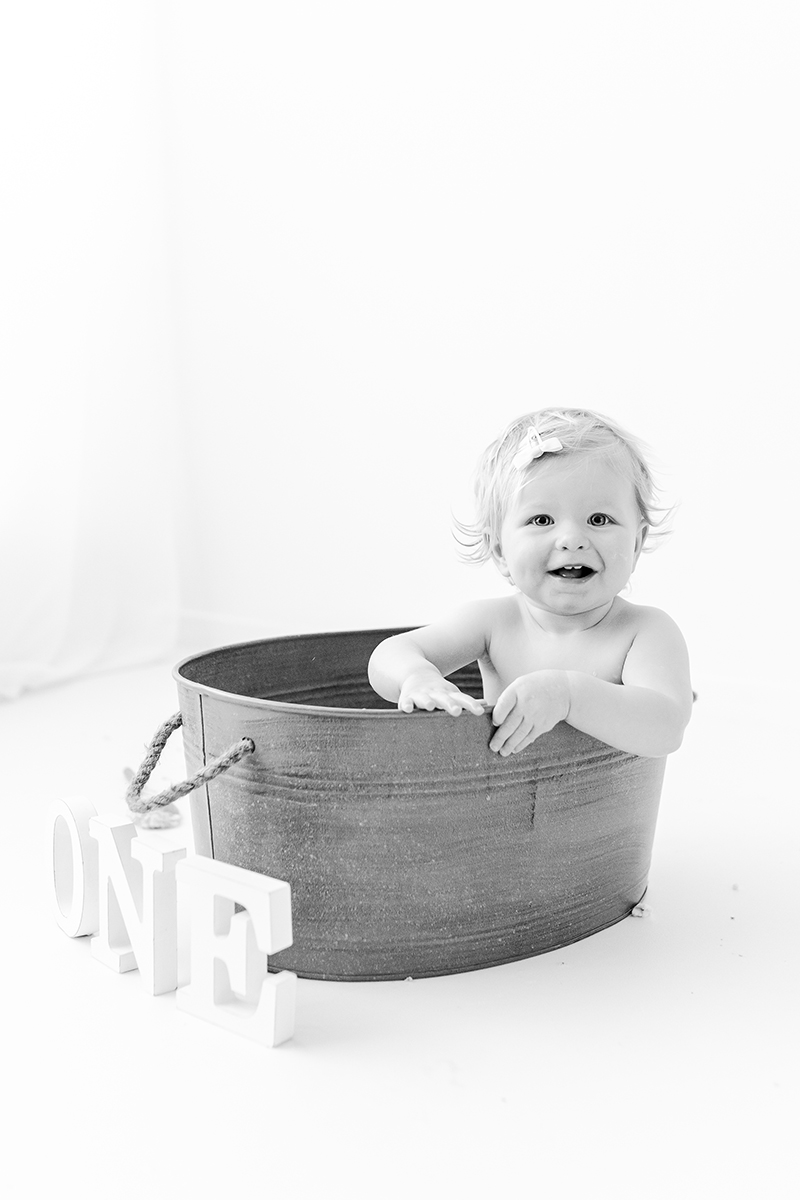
[(73, 857)]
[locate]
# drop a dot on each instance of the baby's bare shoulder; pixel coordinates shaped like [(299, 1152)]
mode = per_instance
[(643, 618), (487, 614)]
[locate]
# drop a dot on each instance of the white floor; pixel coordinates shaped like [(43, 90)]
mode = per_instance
[(657, 1059)]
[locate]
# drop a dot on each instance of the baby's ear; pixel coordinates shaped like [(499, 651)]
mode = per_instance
[(638, 545), (499, 561)]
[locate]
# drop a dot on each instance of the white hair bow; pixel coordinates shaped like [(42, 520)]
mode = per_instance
[(533, 447)]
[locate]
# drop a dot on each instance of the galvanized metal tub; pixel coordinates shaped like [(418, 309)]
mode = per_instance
[(410, 847)]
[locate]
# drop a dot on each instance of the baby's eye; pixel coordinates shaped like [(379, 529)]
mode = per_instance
[(598, 519), (541, 519)]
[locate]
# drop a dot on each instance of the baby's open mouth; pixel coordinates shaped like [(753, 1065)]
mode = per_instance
[(573, 572)]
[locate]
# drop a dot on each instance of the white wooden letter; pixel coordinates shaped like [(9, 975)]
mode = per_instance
[(137, 903), (73, 854), (224, 953)]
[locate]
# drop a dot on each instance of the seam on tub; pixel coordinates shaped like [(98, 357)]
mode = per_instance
[(205, 785)]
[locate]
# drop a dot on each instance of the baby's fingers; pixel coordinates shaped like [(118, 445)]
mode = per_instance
[(457, 702), (409, 703), (504, 706), (470, 704), (504, 735), (427, 700), (523, 736), (451, 701)]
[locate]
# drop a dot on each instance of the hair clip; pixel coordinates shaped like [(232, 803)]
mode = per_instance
[(533, 447)]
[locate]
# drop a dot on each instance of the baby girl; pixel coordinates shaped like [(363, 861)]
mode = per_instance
[(565, 503)]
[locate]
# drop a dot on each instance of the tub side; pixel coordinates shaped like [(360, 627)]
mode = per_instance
[(424, 853)]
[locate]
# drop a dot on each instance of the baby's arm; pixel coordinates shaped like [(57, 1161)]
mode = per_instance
[(411, 667), (646, 715)]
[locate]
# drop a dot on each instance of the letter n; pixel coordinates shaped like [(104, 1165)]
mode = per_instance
[(137, 904)]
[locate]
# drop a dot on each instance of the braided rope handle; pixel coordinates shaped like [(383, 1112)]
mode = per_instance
[(133, 796)]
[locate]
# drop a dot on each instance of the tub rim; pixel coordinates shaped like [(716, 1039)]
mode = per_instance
[(288, 706)]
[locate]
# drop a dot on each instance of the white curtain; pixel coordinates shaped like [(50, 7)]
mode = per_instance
[(87, 447), (263, 260)]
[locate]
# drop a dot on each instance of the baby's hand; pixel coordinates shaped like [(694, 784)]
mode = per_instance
[(527, 708), (431, 690)]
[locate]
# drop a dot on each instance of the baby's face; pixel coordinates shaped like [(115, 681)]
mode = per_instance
[(572, 534)]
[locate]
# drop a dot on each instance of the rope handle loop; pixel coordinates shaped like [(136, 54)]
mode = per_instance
[(133, 796)]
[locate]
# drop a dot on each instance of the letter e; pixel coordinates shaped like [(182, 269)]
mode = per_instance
[(224, 953)]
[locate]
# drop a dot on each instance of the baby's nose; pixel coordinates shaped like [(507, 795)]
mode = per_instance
[(571, 537)]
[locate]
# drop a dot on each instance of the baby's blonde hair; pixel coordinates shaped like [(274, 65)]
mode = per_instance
[(579, 430)]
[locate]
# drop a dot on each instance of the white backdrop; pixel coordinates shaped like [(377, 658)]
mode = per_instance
[(88, 466), (280, 271)]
